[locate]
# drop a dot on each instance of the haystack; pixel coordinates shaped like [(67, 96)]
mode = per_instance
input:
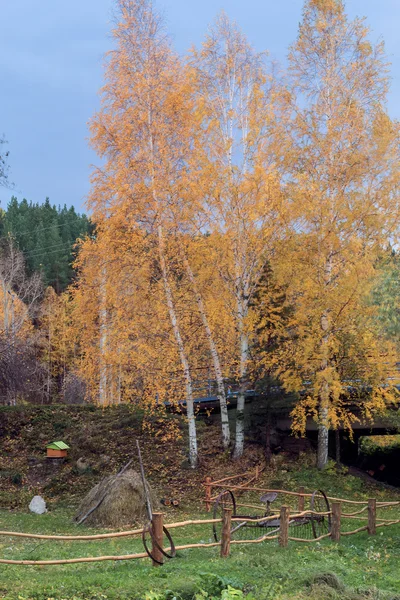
[(121, 501)]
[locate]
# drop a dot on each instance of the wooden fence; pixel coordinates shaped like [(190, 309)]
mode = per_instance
[(367, 514), (211, 486), (249, 477)]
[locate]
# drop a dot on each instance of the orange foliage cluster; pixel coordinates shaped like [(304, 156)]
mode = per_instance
[(219, 176)]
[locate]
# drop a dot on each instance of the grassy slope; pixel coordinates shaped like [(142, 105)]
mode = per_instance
[(269, 572)]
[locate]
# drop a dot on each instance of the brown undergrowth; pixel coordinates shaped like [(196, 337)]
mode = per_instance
[(104, 440)]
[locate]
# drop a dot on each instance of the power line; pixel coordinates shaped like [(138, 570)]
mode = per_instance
[(36, 252), (30, 232)]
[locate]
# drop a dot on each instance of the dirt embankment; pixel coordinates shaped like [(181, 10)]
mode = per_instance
[(101, 441)]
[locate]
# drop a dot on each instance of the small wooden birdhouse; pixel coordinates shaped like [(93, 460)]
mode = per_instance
[(57, 450)]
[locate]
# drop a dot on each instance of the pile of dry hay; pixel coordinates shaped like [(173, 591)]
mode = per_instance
[(121, 501)]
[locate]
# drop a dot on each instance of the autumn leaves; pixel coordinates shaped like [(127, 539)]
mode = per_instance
[(218, 175)]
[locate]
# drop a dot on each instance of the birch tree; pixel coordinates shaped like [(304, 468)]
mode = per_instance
[(234, 99), (213, 348), (341, 159), (141, 132)]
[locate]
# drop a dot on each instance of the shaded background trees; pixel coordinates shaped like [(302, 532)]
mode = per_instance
[(37, 250), (46, 235)]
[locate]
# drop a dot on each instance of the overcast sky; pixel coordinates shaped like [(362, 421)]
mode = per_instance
[(51, 70)]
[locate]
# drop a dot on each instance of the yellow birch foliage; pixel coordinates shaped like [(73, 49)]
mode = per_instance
[(120, 270), (58, 335), (339, 154), (14, 315), (242, 201)]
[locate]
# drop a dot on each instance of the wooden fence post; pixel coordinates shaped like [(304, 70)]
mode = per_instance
[(284, 526), (372, 516), (226, 533), (301, 500), (157, 526), (336, 516), (208, 494)]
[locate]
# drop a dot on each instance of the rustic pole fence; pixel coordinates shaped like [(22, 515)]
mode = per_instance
[(336, 521), (284, 526), (372, 516), (158, 533), (157, 523), (226, 533)]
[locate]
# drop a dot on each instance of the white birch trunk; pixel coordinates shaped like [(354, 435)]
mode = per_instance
[(323, 401), (193, 454), (244, 356), (324, 393), (323, 437), (226, 434), (323, 420)]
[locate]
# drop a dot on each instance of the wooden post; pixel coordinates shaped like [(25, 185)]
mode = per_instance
[(157, 525), (284, 526), (226, 533), (257, 473), (372, 516), (208, 494), (301, 499), (336, 516)]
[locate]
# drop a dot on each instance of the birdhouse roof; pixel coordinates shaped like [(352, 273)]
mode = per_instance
[(58, 446)]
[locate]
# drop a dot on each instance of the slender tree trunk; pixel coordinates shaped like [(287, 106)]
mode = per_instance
[(324, 394), (226, 434), (244, 356), (323, 437), (119, 385), (324, 399), (193, 454), (103, 340), (6, 318)]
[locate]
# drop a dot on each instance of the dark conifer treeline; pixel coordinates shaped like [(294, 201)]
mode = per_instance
[(46, 235)]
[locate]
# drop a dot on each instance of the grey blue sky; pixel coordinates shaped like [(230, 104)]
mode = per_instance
[(51, 70)]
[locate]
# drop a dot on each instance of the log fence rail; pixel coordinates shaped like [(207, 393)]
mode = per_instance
[(286, 517), (301, 494), (283, 537)]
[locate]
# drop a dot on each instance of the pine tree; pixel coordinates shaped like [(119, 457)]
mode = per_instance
[(46, 236)]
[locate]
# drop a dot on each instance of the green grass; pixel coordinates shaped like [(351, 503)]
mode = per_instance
[(264, 571)]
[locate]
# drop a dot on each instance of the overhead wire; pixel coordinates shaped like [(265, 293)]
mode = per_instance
[(30, 231), (56, 247), (36, 252)]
